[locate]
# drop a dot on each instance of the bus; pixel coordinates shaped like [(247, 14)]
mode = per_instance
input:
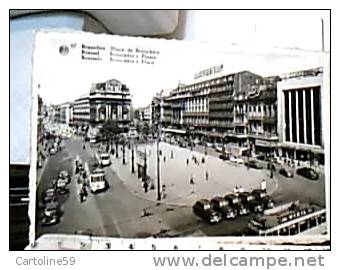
[(298, 219), (96, 179)]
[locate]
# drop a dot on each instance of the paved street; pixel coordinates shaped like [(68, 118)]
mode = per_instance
[(118, 212), (211, 178)]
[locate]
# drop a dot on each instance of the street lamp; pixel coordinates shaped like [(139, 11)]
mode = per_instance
[(116, 142), (158, 167), (132, 157), (124, 153)]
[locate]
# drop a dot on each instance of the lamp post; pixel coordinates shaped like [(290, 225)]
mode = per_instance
[(116, 142), (124, 153), (158, 168), (132, 157)]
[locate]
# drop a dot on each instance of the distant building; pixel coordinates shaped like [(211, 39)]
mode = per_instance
[(109, 100), (300, 102), (65, 113)]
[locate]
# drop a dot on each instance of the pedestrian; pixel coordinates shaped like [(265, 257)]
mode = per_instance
[(192, 180), (206, 175), (203, 160), (263, 185), (187, 161), (145, 186), (164, 158), (172, 154)]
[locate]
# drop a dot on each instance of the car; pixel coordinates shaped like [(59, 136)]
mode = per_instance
[(286, 172), (218, 148), (235, 202), (204, 210), (253, 164), (50, 220), (224, 156), (49, 195), (236, 160), (309, 173), (208, 144), (65, 175), (61, 184), (263, 197), (51, 208), (104, 159), (221, 205), (261, 157), (249, 200), (53, 151)]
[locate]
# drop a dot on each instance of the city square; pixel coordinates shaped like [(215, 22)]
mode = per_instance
[(225, 150)]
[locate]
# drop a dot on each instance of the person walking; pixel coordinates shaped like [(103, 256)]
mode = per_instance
[(264, 185), (206, 175)]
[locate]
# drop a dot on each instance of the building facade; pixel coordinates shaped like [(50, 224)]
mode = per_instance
[(109, 100), (238, 109), (300, 96), (277, 116)]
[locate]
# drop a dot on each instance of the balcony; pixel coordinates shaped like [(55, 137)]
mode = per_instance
[(220, 115), (195, 114), (264, 119), (221, 124)]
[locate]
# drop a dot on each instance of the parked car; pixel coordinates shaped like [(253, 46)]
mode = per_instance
[(209, 144), (309, 173), (61, 184), (49, 195), (235, 202), (52, 219), (263, 197), (249, 200), (65, 175), (221, 205), (286, 172), (261, 157), (53, 150), (253, 164), (218, 148), (51, 208), (224, 156), (236, 160), (204, 210)]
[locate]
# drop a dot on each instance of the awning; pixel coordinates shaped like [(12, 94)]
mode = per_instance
[(179, 131)]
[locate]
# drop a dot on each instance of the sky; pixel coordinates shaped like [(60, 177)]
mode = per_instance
[(64, 78)]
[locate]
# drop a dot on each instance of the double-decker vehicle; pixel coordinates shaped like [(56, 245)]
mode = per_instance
[(292, 220)]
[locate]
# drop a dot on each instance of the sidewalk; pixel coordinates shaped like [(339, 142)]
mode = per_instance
[(175, 174)]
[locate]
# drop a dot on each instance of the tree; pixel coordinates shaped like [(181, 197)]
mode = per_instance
[(110, 131)]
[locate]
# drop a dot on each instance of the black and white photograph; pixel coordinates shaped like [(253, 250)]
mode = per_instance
[(139, 138)]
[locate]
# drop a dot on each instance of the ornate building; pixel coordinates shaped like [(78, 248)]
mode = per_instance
[(109, 100)]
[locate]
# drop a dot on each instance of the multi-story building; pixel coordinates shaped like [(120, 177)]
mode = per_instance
[(64, 113), (109, 100), (216, 109), (300, 96), (81, 110)]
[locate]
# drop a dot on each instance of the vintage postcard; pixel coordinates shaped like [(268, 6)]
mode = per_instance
[(141, 141)]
